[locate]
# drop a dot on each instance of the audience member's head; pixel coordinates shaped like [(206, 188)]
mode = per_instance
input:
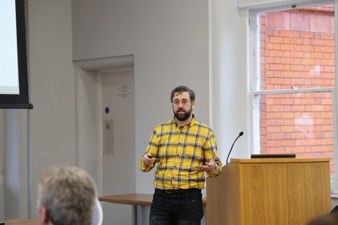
[(66, 196), (329, 219)]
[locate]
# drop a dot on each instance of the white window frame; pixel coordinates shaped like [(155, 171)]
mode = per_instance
[(253, 76)]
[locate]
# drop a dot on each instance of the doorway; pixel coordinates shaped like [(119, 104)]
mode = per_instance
[(105, 128), (118, 127)]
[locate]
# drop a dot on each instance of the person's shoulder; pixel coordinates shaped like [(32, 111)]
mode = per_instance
[(163, 124), (196, 122)]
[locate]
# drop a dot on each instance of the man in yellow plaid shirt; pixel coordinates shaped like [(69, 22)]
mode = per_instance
[(184, 149)]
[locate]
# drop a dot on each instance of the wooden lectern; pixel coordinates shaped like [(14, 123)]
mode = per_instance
[(269, 192)]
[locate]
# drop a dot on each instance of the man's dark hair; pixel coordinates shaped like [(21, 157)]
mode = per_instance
[(181, 89)]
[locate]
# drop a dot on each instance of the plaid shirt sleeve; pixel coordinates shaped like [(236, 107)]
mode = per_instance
[(152, 148), (217, 170), (210, 148)]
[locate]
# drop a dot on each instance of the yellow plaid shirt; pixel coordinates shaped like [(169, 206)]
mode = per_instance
[(179, 152)]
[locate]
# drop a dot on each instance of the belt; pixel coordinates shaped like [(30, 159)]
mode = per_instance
[(177, 191)]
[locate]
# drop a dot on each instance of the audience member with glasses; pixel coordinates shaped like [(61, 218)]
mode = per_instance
[(185, 151)]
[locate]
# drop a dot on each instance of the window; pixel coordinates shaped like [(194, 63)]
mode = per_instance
[(292, 81)]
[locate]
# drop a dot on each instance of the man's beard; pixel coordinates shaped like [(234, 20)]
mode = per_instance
[(184, 116)]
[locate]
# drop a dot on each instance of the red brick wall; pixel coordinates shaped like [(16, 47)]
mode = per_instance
[(297, 51)]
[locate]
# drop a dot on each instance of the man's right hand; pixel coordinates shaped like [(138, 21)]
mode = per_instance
[(148, 159)]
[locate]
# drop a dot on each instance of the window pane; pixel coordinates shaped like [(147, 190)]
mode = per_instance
[(297, 48), (296, 51), (297, 123)]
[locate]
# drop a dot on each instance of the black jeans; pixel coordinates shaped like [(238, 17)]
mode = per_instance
[(181, 207)]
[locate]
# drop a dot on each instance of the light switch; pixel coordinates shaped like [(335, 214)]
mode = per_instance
[(108, 137)]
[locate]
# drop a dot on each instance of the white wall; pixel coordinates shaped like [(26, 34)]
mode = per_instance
[(87, 130), (227, 93), (16, 164), (51, 79), (169, 41)]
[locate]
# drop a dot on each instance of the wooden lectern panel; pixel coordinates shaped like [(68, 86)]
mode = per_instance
[(269, 192)]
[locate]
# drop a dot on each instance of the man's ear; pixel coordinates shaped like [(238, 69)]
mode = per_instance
[(42, 216)]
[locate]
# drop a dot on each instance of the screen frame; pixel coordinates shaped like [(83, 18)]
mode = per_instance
[(21, 100)]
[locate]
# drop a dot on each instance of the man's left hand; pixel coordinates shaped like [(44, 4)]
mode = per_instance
[(210, 166)]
